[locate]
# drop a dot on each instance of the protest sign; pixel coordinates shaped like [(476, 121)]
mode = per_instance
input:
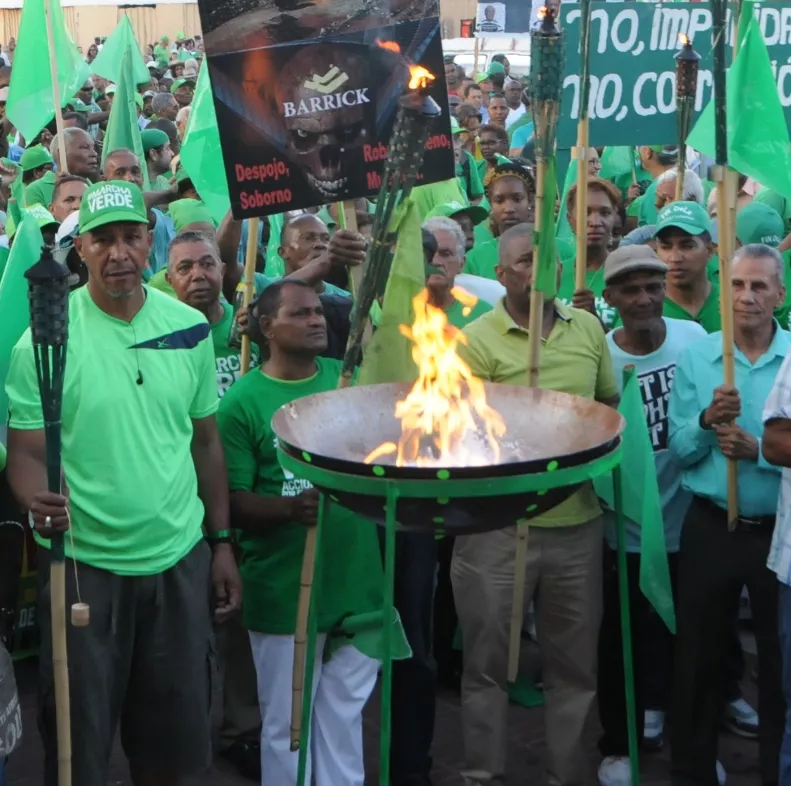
[(305, 99), (632, 95)]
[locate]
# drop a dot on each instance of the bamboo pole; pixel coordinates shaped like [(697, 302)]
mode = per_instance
[(60, 668), (476, 56), (534, 360), (251, 253), (581, 268), (347, 219), (53, 71)]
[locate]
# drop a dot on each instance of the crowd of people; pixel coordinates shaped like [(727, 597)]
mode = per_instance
[(171, 477)]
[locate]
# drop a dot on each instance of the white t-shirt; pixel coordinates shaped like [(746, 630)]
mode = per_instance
[(655, 373)]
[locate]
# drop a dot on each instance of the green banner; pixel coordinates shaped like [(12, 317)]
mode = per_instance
[(633, 80)]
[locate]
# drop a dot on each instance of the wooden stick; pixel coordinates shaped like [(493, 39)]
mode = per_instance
[(534, 360), (476, 56), (251, 254), (726, 193), (53, 71), (60, 668), (680, 172), (347, 219), (582, 204)]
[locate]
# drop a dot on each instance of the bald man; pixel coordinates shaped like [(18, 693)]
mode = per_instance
[(81, 156)]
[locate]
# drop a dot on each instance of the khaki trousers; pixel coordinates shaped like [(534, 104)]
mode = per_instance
[(564, 578)]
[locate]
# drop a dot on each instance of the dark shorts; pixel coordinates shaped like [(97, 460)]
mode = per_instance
[(144, 661)]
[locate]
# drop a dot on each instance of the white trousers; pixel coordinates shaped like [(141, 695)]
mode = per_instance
[(340, 690)]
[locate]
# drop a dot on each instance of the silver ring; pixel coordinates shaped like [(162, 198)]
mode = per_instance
[(48, 521)]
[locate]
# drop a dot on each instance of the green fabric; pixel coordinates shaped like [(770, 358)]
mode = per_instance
[(757, 135), (161, 55), (594, 281), (426, 198), (189, 211), (153, 138), (388, 356), (778, 202), (40, 191), (351, 565), (34, 157), (109, 61), (13, 295), (618, 162), (471, 185), (524, 693), (709, 315), (525, 120), (690, 217), (483, 232), (154, 518), (201, 144), (30, 103), (4, 254), (459, 319), (546, 279), (158, 282), (562, 226), (42, 215), (364, 633), (757, 223), (228, 360), (641, 501), (122, 127), (161, 183), (107, 202), (646, 211), (482, 259)]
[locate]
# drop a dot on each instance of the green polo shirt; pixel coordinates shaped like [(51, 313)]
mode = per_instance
[(40, 191), (482, 259), (709, 315), (574, 359), (127, 446)]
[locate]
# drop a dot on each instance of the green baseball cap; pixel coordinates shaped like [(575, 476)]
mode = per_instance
[(184, 212), (34, 157), (450, 209), (153, 138), (179, 82), (455, 128), (689, 217), (43, 218), (758, 223), (110, 202), (495, 68)]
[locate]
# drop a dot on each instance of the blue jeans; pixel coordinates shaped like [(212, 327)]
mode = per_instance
[(785, 647)]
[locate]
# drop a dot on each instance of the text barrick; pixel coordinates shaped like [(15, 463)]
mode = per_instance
[(325, 103)]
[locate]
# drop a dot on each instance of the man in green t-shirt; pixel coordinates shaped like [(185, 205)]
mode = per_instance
[(145, 472), (158, 155), (684, 244), (274, 510)]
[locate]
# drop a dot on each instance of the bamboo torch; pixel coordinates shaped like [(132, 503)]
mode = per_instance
[(726, 195), (581, 151), (687, 64), (417, 112), (546, 87), (48, 295), (251, 253)]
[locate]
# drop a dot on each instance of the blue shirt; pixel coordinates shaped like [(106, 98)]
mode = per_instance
[(656, 372), (164, 232), (698, 372)]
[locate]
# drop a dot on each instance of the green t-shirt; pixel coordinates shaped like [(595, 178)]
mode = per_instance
[(457, 317), (783, 312), (469, 178), (709, 315), (120, 437), (228, 360), (161, 55), (594, 281), (40, 191), (482, 232), (482, 259), (160, 183), (647, 214), (350, 562), (624, 181), (427, 197)]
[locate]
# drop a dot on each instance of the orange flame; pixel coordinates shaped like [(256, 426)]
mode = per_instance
[(683, 40), (445, 420), (390, 46), (420, 77), (542, 12)]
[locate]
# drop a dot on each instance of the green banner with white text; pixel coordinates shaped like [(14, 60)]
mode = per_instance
[(633, 81)]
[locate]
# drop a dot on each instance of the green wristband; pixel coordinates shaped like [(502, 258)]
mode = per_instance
[(222, 535)]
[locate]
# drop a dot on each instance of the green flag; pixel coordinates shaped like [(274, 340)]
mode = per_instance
[(562, 227), (547, 272), (388, 356), (122, 127), (30, 103), (109, 61), (641, 500), (617, 162), (25, 252), (202, 144), (758, 143)]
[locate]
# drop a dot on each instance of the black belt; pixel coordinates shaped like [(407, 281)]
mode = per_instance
[(744, 523)]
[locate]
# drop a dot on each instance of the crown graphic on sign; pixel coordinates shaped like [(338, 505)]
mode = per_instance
[(328, 83)]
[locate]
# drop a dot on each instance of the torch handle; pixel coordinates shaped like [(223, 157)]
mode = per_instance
[(251, 253)]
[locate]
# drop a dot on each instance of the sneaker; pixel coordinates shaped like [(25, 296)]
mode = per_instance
[(721, 776), (741, 719), (654, 730), (615, 771)]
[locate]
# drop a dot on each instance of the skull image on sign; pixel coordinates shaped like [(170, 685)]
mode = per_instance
[(327, 107)]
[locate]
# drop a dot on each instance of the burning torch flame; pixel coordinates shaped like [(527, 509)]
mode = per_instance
[(542, 12), (420, 77), (390, 46), (447, 403), (683, 40)]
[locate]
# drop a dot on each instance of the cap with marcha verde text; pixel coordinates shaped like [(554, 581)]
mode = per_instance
[(34, 157), (759, 223), (689, 217), (110, 202), (153, 138), (450, 209)]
